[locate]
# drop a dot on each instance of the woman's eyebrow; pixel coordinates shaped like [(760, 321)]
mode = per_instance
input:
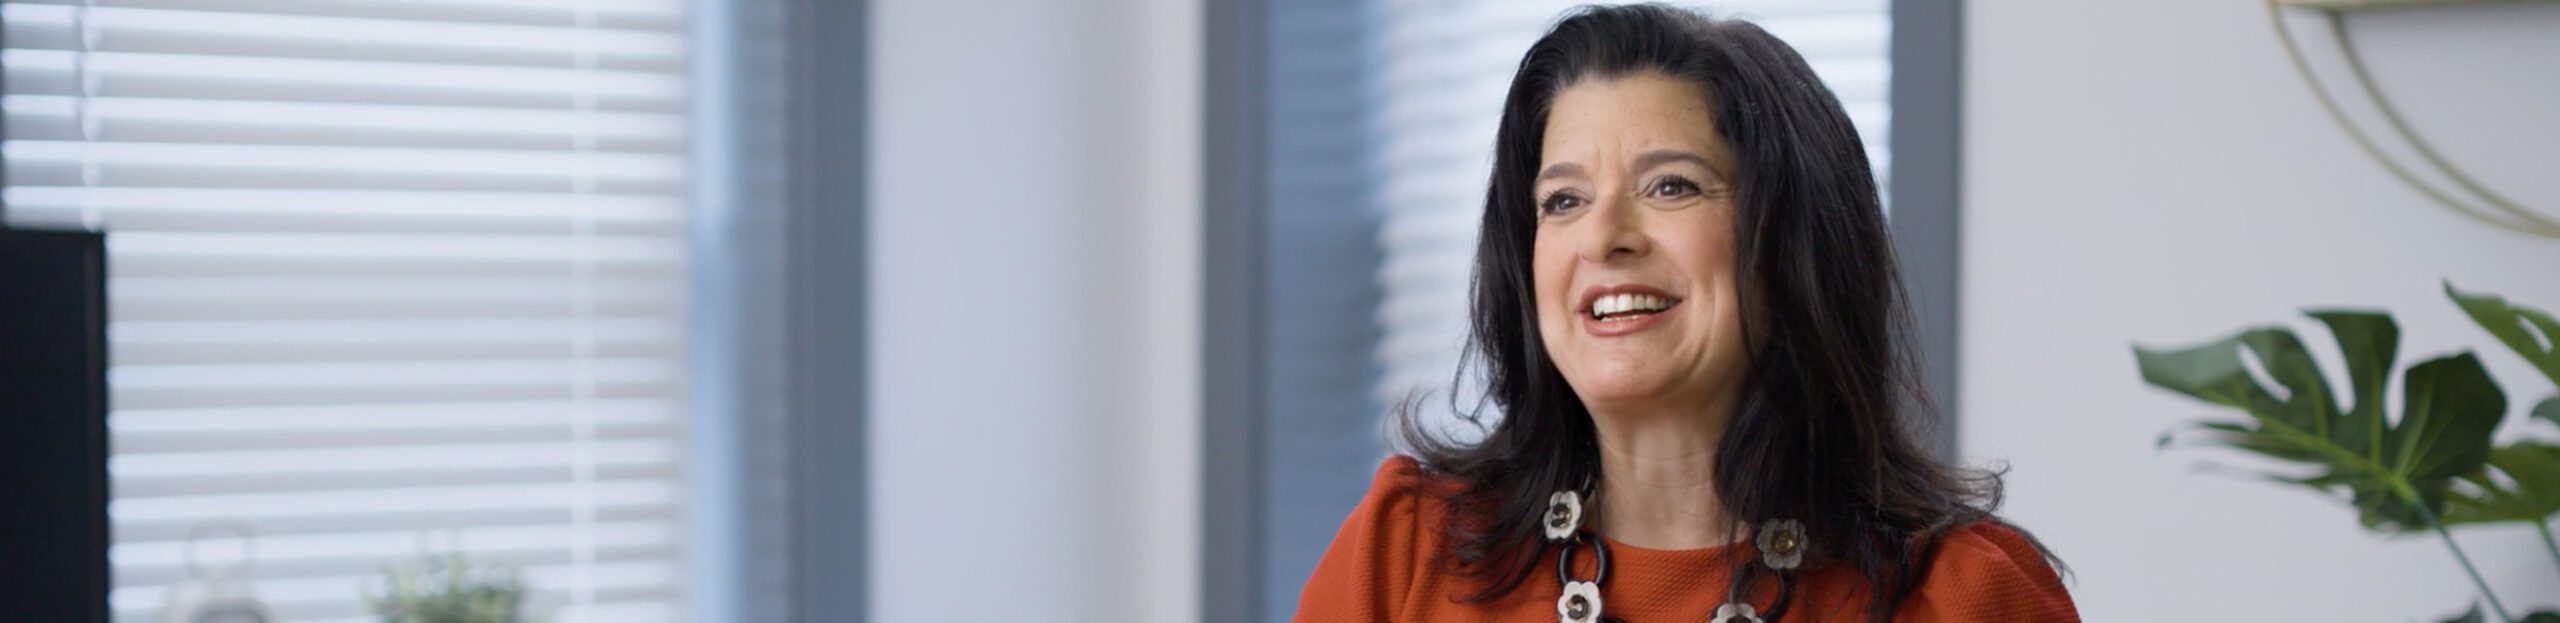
[(1560, 169), (1660, 157), (1649, 160)]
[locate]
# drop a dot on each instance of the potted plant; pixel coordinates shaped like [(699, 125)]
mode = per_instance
[(450, 589), (2432, 467)]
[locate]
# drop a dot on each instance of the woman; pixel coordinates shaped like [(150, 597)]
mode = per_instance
[(1688, 309)]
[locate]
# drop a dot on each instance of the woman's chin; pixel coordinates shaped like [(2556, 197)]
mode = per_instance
[(1616, 392)]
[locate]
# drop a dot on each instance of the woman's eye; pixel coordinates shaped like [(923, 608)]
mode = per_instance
[(1559, 202), (1674, 187)]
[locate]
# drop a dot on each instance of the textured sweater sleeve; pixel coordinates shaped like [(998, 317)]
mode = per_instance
[(1989, 572), (1369, 570)]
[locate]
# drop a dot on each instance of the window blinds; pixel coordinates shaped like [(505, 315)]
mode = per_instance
[(1445, 65), (385, 274)]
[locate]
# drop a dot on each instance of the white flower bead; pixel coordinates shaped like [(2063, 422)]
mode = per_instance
[(1781, 544), (1580, 603), (1564, 515), (1736, 613)]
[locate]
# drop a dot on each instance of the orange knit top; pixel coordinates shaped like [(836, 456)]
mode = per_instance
[(1382, 567)]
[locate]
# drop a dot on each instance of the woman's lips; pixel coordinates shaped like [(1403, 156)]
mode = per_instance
[(1614, 326), (1628, 308)]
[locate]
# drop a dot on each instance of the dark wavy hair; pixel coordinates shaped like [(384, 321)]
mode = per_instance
[(1830, 400)]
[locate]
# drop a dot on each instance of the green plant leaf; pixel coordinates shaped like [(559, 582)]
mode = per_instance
[(2370, 342), (2531, 332), (2529, 491), (2384, 468), (2452, 409), (2215, 373), (2549, 410)]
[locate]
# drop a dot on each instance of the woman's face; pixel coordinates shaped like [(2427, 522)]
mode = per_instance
[(1634, 252)]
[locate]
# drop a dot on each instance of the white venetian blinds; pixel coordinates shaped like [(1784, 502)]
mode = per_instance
[(379, 269), (1444, 67)]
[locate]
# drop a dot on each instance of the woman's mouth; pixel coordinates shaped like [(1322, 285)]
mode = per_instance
[(1620, 310), (1622, 306)]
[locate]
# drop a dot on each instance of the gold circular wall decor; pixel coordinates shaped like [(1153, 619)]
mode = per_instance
[(2484, 204)]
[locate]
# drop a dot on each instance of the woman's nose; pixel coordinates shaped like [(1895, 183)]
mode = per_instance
[(1613, 231)]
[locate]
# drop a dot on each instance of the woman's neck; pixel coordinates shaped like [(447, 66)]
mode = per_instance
[(1658, 470)]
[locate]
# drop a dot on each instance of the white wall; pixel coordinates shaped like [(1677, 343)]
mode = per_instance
[(1034, 310), (2153, 172)]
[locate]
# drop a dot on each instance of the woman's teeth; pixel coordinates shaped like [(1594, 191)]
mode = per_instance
[(1627, 304)]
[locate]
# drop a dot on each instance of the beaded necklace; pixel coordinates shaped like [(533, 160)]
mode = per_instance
[(1779, 547)]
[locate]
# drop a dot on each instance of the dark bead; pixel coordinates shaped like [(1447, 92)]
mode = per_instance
[(1577, 607)]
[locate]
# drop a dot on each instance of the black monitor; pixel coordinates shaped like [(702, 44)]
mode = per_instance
[(53, 427)]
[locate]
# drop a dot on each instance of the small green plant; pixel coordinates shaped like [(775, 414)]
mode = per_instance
[(2433, 467), (449, 589)]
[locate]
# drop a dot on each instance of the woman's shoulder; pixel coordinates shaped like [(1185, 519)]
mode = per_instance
[(1383, 548), (1990, 570), (1404, 490), (1403, 498), (1402, 476), (1994, 540)]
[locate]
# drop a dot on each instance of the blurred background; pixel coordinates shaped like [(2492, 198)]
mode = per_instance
[(1033, 310)]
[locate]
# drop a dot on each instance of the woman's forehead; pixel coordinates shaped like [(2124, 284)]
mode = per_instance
[(1619, 120)]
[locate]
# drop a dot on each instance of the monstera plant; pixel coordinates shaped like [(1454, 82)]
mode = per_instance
[(2431, 467)]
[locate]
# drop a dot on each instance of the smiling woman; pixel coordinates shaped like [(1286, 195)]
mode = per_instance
[(1690, 316)]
